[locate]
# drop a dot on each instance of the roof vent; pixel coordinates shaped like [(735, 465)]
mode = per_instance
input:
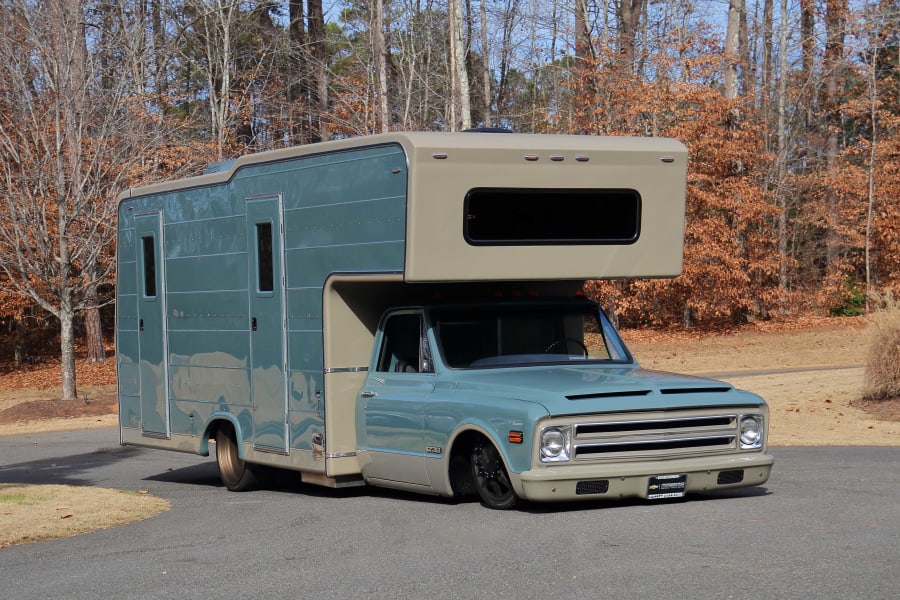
[(488, 130)]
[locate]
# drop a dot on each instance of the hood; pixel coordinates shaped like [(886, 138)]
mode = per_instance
[(566, 390)]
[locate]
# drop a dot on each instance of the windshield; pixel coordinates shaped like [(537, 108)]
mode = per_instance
[(507, 335)]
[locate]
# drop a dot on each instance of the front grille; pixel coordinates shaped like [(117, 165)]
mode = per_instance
[(725, 441), (655, 436)]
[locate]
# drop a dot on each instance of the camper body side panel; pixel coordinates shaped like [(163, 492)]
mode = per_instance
[(342, 211)]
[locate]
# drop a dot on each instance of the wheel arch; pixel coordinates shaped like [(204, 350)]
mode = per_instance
[(459, 482), (216, 422)]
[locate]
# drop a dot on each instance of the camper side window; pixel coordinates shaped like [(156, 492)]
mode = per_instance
[(512, 216), (265, 268), (149, 252)]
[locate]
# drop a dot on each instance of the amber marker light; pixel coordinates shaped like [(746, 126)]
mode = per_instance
[(515, 437)]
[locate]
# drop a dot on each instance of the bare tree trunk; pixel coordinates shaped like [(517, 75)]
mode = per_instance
[(67, 345), (766, 70), (583, 47), (461, 114), (319, 95), (807, 62), (19, 350), (748, 72), (454, 75), (870, 168), (70, 49), (506, 52), (731, 49), (296, 87), (378, 50), (92, 326), (835, 16), (486, 64), (159, 52), (629, 18), (781, 155)]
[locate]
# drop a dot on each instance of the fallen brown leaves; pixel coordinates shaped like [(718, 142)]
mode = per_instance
[(30, 392), (45, 375)]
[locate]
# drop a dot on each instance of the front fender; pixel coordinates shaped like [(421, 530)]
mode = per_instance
[(495, 418)]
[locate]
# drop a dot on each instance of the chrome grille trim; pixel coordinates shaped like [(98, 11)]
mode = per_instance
[(656, 436), (727, 420)]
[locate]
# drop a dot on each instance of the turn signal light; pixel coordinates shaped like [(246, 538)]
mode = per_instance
[(516, 437)]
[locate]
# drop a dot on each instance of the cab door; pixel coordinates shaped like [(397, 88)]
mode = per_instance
[(393, 400), (267, 324)]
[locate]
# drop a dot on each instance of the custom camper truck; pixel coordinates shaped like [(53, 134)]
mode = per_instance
[(405, 310)]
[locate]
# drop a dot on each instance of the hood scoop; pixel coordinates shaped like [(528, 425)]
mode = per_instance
[(697, 390), (620, 394)]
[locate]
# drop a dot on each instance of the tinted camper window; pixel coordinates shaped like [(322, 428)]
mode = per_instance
[(265, 268), (496, 217), (149, 252)]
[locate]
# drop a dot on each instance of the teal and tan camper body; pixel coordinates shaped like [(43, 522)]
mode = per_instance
[(251, 301)]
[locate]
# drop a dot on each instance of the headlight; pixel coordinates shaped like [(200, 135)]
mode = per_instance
[(555, 444), (751, 432)]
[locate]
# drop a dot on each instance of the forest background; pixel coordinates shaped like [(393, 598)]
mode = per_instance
[(790, 110)]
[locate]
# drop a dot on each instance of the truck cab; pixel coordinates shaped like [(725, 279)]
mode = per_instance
[(538, 398)]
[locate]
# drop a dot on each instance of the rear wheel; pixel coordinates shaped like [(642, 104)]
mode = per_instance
[(236, 474), (490, 476)]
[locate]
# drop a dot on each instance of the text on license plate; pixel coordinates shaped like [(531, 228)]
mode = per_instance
[(666, 486)]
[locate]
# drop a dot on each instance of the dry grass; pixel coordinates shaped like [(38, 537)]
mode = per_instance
[(882, 374), (29, 513)]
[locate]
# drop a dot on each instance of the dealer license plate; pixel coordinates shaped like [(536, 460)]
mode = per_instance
[(666, 486)]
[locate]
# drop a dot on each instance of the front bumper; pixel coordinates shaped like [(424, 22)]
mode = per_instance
[(632, 479)]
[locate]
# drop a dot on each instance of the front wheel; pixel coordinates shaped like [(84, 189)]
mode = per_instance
[(236, 474), (491, 479)]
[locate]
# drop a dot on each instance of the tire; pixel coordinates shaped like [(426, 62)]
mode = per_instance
[(236, 474), (491, 479)]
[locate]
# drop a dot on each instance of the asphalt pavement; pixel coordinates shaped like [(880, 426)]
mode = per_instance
[(827, 525)]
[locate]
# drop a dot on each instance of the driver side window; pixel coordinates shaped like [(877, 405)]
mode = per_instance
[(404, 346)]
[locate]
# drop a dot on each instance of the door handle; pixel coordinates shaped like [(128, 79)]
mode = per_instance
[(367, 394), (140, 324), (253, 324)]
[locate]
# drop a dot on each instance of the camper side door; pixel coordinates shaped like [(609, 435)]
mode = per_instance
[(152, 325), (267, 324)]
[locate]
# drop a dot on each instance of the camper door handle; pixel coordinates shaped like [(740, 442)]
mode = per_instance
[(253, 324), (140, 324), (367, 394)]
